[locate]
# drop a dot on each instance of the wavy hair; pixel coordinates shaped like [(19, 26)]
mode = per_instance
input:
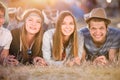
[(38, 37)]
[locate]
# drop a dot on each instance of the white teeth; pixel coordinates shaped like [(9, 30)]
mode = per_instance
[(98, 37), (67, 30), (32, 28)]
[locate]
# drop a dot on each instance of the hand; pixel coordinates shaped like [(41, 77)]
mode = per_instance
[(101, 60), (73, 61), (77, 60), (10, 60), (39, 61)]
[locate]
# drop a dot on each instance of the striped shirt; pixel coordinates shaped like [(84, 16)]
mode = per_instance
[(112, 41)]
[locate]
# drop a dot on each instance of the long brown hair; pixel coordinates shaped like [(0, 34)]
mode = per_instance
[(38, 37), (57, 38)]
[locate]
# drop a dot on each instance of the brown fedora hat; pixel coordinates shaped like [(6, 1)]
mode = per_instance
[(96, 13)]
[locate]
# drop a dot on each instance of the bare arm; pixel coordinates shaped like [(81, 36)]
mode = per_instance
[(4, 53), (83, 56), (113, 54)]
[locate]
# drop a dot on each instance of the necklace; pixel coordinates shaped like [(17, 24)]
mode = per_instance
[(29, 51)]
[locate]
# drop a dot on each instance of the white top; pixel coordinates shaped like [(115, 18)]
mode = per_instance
[(48, 44), (5, 38)]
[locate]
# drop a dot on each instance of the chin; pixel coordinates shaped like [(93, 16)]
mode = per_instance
[(67, 34), (32, 33), (98, 41)]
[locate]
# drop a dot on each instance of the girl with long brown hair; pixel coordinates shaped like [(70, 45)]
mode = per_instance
[(27, 40), (63, 45)]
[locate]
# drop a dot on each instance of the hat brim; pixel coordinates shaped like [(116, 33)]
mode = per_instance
[(107, 20)]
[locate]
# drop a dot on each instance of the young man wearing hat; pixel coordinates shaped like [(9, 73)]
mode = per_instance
[(102, 43)]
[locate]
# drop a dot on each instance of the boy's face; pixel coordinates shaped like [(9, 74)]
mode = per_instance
[(98, 31), (2, 19)]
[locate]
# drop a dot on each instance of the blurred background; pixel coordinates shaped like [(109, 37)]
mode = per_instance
[(77, 7)]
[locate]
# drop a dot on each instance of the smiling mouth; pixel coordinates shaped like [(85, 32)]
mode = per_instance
[(98, 36), (32, 28), (67, 31)]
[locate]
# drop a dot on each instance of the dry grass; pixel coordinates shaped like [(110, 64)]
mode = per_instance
[(84, 72)]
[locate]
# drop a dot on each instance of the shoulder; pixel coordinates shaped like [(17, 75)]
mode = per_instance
[(16, 30), (113, 35), (49, 32), (113, 30), (84, 30), (6, 32), (80, 34), (16, 34)]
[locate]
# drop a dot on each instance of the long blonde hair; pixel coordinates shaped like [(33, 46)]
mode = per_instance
[(38, 37), (57, 38)]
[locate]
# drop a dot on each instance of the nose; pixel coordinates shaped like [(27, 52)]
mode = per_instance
[(33, 23), (67, 26), (98, 31)]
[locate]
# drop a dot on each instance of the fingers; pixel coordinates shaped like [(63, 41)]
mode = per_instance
[(39, 61), (100, 60), (10, 60), (74, 61), (77, 60), (70, 63)]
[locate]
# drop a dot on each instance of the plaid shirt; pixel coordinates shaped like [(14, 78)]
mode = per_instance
[(112, 41)]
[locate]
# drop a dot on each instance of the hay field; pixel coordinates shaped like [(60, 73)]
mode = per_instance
[(85, 71)]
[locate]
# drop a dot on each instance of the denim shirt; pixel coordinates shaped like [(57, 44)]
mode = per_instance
[(48, 44)]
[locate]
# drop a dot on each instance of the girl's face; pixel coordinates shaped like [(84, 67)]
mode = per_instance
[(33, 23), (67, 26)]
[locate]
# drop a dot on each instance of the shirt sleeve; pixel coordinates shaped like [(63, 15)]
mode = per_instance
[(47, 49), (8, 40), (116, 40), (80, 44)]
